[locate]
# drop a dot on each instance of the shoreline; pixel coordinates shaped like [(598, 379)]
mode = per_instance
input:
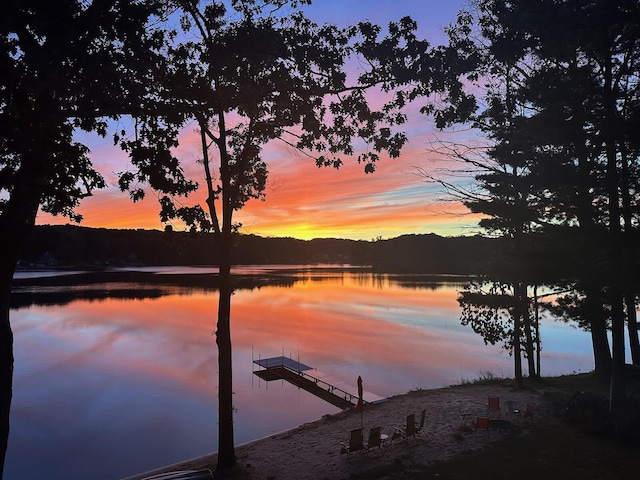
[(312, 450)]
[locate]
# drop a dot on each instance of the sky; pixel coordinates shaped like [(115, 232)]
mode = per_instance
[(303, 201)]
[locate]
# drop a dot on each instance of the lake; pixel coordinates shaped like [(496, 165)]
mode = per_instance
[(115, 377)]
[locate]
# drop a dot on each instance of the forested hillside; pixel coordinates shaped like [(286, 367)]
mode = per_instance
[(98, 248)]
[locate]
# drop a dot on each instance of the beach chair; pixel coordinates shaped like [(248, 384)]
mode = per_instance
[(395, 436), (482, 423), (375, 439), (493, 407), (410, 428), (356, 444), (465, 415), (528, 414), (420, 426)]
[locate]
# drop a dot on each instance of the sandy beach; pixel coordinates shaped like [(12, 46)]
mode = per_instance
[(312, 450)]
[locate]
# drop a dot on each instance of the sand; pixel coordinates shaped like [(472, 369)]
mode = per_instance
[(312, 450)]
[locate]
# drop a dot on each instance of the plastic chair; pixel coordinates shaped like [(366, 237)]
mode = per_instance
[(493, 407), (482, 423)]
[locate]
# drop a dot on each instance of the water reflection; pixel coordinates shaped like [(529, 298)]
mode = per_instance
[(121, 381)]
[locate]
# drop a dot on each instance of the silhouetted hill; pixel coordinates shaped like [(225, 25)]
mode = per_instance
[(65, 245), (433, 254)]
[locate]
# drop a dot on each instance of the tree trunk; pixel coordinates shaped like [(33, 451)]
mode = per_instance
[(226, 449), (537, 328), (6, 368), (517, 354), (16, 224), (629, 295), (632, 327), (523, 299), (598, 327), (594, 313), (617, 268), (618, 386)]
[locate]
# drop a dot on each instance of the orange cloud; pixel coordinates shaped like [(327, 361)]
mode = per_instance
[(304, 201)]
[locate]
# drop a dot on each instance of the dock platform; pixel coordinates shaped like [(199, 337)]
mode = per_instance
[(311, 380)]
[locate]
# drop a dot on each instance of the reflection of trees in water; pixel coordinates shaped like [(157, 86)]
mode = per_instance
[(23, 299), (64, 289), (371, 279), (430, 282), (96, 286)]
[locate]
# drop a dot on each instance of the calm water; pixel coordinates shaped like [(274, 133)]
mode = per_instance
[(110, 387)]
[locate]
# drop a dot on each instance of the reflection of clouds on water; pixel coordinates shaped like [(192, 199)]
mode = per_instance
[(405, 338), (136, 379)]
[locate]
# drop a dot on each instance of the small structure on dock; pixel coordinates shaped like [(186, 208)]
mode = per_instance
[(311, 380)]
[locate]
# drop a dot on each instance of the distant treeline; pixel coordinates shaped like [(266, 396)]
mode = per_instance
[(98, 247)]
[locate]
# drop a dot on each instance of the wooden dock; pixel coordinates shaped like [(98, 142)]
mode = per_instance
[(305, 377)]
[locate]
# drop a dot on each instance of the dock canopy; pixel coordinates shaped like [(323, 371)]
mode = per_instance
[(282, 362)]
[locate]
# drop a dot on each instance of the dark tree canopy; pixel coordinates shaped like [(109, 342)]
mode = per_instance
[(557, 82), (65, 66)]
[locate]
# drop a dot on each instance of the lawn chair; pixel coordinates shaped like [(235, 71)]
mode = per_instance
[(409, 429), (395, 436), (356, 444), (420, 426), (375, 439), (493, 407), (465, 415), (528, 414), (482, 423)]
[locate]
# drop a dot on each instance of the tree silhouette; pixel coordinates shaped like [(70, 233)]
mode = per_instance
[(64, 67), (263, 73), (565, 117)]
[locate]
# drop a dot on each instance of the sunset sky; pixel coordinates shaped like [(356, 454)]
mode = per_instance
[(303, 201)]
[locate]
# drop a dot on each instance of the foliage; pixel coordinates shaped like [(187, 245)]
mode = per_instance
[(76, 246), (557, 85), (65, 67), (488, 307)]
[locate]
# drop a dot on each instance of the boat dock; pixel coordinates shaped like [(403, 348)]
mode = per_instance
[(319, 384)]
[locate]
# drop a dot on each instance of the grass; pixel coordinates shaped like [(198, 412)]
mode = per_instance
[(545, 454), (586, 448), (484, 377)]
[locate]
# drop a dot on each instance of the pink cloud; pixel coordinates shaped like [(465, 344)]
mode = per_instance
[(303, 200)]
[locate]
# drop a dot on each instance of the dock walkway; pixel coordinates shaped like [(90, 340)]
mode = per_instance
[(311, 380)]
